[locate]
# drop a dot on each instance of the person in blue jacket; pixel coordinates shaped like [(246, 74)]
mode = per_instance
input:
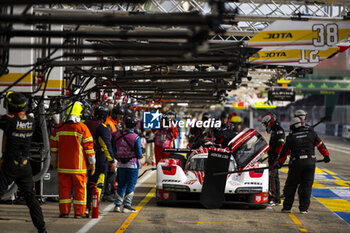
[(103, 152), (127, 150)]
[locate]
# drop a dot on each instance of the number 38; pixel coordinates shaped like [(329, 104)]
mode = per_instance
[(326, 34)]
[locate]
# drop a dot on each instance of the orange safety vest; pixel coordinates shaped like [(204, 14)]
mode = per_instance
[(112, 124), (73, 144)]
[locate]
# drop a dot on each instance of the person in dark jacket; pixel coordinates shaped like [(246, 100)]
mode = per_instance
[(127, 150), (300, 144), (18, 131), (103, 151), (276, 142), (226, 132)]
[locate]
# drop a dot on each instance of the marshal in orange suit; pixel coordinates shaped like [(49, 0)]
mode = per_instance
[(72, 151)]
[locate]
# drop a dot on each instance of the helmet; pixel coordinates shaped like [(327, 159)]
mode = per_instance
[(236, 119), (129, 112), (296, 122), (74, 111), (301, 113), (206, 116), (15, 102), (101, 112), (117, 110), (130, 121), (224, 115), (268, 120)]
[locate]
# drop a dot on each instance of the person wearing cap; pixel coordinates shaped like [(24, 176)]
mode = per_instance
[(226, 132), (127, 150), (272, 126), (72, 151), (300, 144), (18, 130)]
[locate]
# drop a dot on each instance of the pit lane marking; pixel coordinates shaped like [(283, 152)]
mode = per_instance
[(332, 191), (132, 216), (297, 222), (109, 208), (338, 150)]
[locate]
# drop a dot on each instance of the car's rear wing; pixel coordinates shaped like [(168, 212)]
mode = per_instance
[(177, 150)]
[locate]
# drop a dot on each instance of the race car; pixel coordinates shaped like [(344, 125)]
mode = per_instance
[(181, 179)]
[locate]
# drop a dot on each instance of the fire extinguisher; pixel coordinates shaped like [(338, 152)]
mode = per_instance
[(94, 200)]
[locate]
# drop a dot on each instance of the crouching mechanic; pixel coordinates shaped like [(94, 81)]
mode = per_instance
[(300, 145), (103, 152), (18, 131), (127, 149), (71, 148)]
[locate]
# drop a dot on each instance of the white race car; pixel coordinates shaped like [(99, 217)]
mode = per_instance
[(181, 179)]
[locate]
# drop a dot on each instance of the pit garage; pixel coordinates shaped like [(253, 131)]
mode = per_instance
[(186, 65)]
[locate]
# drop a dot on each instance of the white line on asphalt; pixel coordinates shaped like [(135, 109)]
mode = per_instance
[(345, 150), (340, 147), (108, 208)]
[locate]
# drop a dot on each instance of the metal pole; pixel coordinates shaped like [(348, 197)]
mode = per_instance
[(183, 19), (102, 34), (39, 2), (251, 118)]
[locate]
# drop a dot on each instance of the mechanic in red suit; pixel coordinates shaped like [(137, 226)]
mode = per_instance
[(300, 144), (276, 142)]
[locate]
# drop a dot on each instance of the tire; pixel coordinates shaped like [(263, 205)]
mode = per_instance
[(161, 203)]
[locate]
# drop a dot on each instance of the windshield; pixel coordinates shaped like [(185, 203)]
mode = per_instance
[(197, 164), (249, 149)]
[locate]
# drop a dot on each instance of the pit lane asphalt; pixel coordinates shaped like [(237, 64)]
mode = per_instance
[(192, 217)]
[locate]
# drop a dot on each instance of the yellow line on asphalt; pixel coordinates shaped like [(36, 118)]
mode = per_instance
[(196, 222), (297, 222), (329, 172), (343, 183), (132, 216)]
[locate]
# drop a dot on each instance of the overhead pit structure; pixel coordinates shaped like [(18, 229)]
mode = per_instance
[(139, 46)]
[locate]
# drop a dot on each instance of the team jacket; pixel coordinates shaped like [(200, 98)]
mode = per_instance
[(102, 142), (276, 140), (74, 145), (302, 142), (18, 132), (224, 134), (111, 124)]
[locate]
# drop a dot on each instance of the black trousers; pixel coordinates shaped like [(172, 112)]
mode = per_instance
[(109, 184), (98, 178), (301, 173), (274, 182), (23, 177)]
